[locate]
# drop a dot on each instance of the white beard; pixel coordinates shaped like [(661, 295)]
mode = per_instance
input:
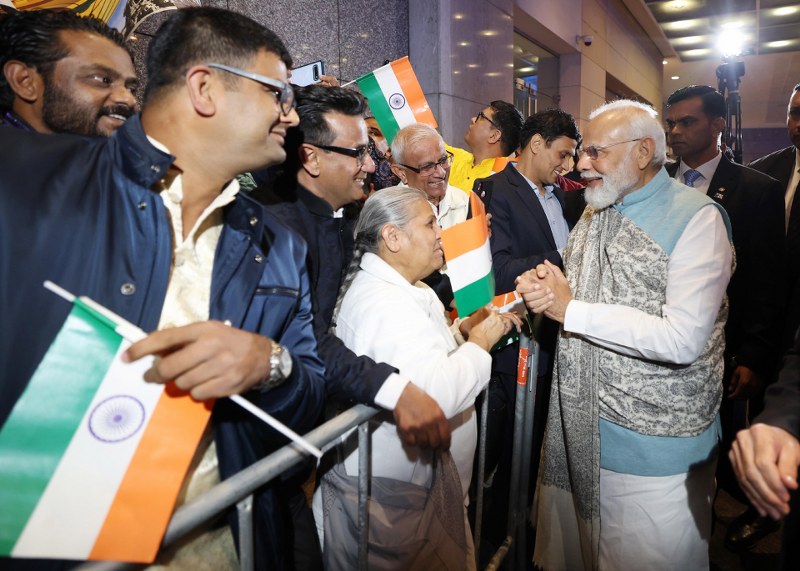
[(613, 185)]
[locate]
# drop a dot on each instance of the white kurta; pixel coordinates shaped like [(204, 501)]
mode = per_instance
[(391, 321)]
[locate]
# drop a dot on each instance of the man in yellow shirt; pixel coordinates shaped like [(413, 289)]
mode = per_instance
[(492, 135)]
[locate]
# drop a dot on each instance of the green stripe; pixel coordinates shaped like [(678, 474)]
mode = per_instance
[(379, 106), (44, 419), (475, 295)]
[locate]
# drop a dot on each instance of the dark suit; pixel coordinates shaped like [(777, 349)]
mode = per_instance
[(754, 203), (779, 165), (521, 239)]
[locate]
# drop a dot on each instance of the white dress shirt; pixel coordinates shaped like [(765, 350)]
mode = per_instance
[(697, 276)]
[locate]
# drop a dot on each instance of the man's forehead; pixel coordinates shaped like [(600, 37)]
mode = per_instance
[(429, 149), (351, 128), (794, 101), (691, 107)]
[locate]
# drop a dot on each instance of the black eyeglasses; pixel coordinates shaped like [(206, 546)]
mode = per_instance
[(429, 168), (594, 150), (360, 153), (282, 90), (482, 115)]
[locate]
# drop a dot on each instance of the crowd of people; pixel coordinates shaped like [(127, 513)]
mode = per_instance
[(224, 211)]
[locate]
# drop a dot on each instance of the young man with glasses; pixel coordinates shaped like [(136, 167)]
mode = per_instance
[(492, 134), (151, 224), (422, 162)]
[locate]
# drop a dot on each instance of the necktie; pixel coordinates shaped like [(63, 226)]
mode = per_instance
[(690, 176)]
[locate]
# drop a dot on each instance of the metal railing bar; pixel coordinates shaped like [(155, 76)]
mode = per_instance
[(244, 511), (364, 454)]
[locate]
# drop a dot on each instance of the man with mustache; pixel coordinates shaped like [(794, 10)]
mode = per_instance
[(62, 73), (631, 442), (695, 119)]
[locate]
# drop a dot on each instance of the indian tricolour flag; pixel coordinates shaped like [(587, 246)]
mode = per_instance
[(469, 260), (92, 457), (395, 97)]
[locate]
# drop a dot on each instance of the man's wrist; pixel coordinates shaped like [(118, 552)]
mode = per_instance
[(280, 367)]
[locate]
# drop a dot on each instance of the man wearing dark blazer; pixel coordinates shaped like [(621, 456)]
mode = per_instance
[(784, 166), (753, 201), (531, 219)]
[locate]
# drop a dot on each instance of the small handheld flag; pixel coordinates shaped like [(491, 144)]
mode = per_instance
[(469, 259), (395, 97)]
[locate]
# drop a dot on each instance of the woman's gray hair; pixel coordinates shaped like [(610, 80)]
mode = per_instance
[(391, 205), (640, 121), (409, 136)]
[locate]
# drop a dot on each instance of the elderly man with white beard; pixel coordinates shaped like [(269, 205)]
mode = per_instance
[(627, 476)]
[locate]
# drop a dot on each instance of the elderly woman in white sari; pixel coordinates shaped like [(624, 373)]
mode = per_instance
[(417, 517)]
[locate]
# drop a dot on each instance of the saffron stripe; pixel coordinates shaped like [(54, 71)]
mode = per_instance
[(378, 105), (32, 444), (413, 91), (464, 237), (469, 267), (151, 485)]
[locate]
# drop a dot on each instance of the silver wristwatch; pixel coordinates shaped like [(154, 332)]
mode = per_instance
[(280, 367)]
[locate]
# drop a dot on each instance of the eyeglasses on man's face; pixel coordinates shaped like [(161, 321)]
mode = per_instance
[(360, 153), (429, 168), (593, 151), (283, 91), (482, 115)]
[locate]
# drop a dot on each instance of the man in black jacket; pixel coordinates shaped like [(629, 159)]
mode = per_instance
[(695, 119), (327, 163)]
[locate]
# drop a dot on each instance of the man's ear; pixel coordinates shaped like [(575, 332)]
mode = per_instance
[(398, 170), (309, 159), (718, 124), (495, 136), (645, 151), (202, 90), (25, 81), (536, 144), (391, 237)]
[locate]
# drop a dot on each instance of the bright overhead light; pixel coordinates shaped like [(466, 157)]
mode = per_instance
[(493, 74), (463, 44), (785, 11), (730, 43), (778, 44), (664, 62), (488, 32), (675, 77), (458, 16), (681, 25), (525, 69), (473, 65), (697, 52), (675, 5), (688, 40)]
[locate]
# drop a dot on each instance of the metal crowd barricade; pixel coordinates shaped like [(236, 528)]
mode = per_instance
[(239, 488)]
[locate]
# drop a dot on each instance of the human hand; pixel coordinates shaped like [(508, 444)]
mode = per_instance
[(328, 81), (209, 359), (765, 459), (489, 223), (545, 290), (745, 383), (492, 328), (420, 420)]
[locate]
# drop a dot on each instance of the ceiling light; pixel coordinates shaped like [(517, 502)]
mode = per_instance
[(493, 74), (688, 40), (785, 11), (778, 44), (698, 52), (675, 77), (463, 44), (458, 16), (488, 32), (732, 25), (675, 5), (680, 25), (525, 69), (473, 65), (663, 62)]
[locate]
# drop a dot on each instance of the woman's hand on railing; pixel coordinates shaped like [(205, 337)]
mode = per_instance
[(491, 328)]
